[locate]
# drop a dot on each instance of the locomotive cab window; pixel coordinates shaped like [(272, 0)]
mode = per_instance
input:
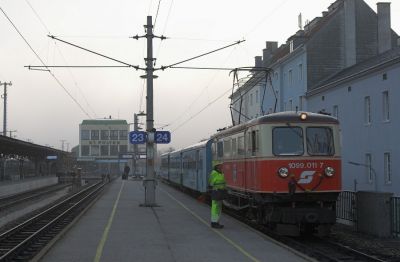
[(287, 141), (320, 141)]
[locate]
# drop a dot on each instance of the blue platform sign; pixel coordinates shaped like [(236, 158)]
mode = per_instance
[(162, 137), (137, 137)]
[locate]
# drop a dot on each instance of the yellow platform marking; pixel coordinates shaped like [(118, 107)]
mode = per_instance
[(218, 232), (103, 240)]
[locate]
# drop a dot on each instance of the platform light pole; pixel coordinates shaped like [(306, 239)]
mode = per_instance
[(5, 106), (371, 169)]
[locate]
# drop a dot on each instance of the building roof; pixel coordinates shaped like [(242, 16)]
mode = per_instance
[(387, 58), (104, 122)]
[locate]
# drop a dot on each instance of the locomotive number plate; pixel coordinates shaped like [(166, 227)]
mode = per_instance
[(302, 165)]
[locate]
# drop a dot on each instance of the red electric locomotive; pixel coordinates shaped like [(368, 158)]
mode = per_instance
[(283, 170)]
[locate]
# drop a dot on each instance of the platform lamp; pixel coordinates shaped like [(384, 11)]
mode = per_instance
[(370, 168)]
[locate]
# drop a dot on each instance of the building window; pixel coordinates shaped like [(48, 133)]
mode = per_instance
[(384, 76), (85, 150), (349, 89), (104, 150), (368, 167), (251, 99), (301, 102), (291, 46), (385, 104), (323, 98), (300, 72), (85, 134), (94, 150), (335, 111), (367, 110), (123, 135), (123, 149), (388, 168), (94, 134), (290, 77), (114, 150), (104, 134), (113, 134)]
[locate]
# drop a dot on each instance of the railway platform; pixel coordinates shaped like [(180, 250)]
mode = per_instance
[(117, 228)]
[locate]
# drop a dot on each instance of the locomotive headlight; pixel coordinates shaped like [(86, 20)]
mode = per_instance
[(329, 171), (303, 116), (283, 172)]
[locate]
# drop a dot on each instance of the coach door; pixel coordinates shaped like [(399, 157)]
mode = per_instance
[(251, 140)]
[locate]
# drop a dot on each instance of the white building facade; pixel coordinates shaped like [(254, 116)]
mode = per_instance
[(343, 63)]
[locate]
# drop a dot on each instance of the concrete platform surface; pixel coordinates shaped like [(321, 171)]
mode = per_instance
[(116, 228)]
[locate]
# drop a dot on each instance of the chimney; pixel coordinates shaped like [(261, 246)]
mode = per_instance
[(384, 28), (350, 32), (258, 62), (272, 46), (268, 52)]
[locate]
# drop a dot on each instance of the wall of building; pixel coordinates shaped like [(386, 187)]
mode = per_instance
[(359, 137)]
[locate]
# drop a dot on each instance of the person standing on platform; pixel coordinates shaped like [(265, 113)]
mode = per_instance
[(217, 184), (126, 171)]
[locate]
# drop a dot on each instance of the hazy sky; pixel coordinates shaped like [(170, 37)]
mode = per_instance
[(41, 110)]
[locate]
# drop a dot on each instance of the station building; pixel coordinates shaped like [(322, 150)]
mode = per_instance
[(345, 63), (101, 142)]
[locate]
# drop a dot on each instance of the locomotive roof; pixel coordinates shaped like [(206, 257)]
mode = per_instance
[(282, 117)]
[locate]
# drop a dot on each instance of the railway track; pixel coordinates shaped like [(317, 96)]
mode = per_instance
[(318, 248), (14, 200), (24, 241)]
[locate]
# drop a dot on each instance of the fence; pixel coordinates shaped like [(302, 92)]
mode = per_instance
[(346, 206), (395, 215), (346, 210)]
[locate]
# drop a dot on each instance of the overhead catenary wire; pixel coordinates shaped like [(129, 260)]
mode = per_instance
[(62, 56), (93, 52), (213, 51), (204, 89), (158, 9), (42, 62), (204, 108)]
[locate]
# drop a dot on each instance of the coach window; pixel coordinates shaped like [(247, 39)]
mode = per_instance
[(227, 148), (254, 142), (234, 147), (240, 149), (287, 141), (220, 150)]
